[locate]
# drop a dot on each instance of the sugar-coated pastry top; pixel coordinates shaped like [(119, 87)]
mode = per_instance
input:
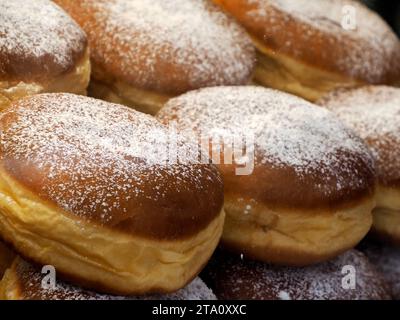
[(190, 43), (242, 279), (38, 40), (374, 113), (29, 282), (108, 164), (323, 33), (304, 156)]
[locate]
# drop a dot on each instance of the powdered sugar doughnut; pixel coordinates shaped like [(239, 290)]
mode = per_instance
[(235, 278), (84, 187), (374, 114), (144, 52), (310, 194), (45, 53), (23, 281), (309, 47), (387, 260)]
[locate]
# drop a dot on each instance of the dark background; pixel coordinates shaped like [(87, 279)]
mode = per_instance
[(389, 9)]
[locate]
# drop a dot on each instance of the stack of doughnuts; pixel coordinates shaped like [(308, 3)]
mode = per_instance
[(145, 52), (312, 190), (83, 187), (373, 112), (127, 195), (46, 53), (310, 47)]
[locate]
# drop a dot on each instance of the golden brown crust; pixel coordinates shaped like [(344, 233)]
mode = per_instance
[(340, 178), (46, 46), (75, 81), (310, 194), (373, 112), (314, 36), (89, 187), (282, 188), (171, 217), (163, 55), (141, 199), (96, 257)]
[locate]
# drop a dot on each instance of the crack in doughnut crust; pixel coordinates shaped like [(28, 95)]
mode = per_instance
[(46, 53), (233, 278), (23, 281), (88, 186), (191, 44), (311, 192), (315, 53)]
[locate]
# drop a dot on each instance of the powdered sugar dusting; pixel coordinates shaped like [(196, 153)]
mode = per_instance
[(31, 282), (374, 113), (371, 50), (283, 295), (38, 28), (96, 158), (387, 261), (238, 279), (206, 46), (288, 131)]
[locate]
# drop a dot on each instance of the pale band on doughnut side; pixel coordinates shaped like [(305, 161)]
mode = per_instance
[(295, 238), (75, 82), (143, 101), (133, 264), (109, 89), (281, 72), (23, 281), (387, 214)]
